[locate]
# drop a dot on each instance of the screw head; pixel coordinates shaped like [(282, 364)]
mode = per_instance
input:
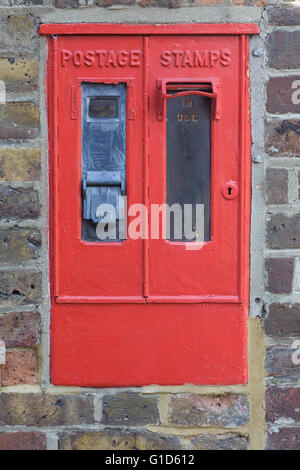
[(256, 159), (257, 52)]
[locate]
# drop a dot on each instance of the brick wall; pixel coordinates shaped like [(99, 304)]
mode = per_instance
[(36, 415), (282, 138)]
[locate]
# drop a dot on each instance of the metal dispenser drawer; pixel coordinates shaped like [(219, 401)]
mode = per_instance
[(103, 160)]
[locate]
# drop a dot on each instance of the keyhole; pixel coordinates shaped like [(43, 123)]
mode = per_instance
[(230, 190)]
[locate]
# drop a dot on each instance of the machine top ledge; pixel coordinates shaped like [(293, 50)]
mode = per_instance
[(149, 29)]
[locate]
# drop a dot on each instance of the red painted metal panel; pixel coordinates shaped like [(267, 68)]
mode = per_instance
[(148, 311), (89, 268), (134, 345), (150, 29), (214, 269)]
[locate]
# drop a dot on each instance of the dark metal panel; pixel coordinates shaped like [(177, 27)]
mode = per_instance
[(188, 156)]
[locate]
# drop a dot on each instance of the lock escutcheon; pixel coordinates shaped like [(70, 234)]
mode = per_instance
[(230, 190)]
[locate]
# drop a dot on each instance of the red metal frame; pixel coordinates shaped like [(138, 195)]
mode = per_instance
[(132, 340), (149, 29)]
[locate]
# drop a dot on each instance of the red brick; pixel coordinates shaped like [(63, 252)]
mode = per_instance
[(22, 441), (66, 3), (279, 364), (226, 411), (284, 439), (20, 368), (283, 138), (19, 203), (283, 231), (279, 95), (162, 3), (220, 442), (109, 3), (282, 403), (280, 275), (285, 16), (283, 320), (277, 186), (258, 3), (178, 3), (207, 2), (20, 329), (284, 49)]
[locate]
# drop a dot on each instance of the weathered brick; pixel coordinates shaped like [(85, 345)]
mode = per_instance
[(280, 94), (258, 3), (18, 33), (11, 3), (74, 3), (220, 442), (283, 138), (66, 3), (284, 49), (162, 3), (23, 441), (19, 329), (116, 439), (19, 75), (155, 441), (102, 440), (109, 3), (20, 164), (283, 231), (19, 203), (282, 403), (283, 320), (279, 363), (36, 409), (178, 3), (206, 2), (204, 410), (19, 120), (130, 409), (280, 275), (19, 245), (277, 186), (20, 368), (284, 16), (284, 439), (19, 287)]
